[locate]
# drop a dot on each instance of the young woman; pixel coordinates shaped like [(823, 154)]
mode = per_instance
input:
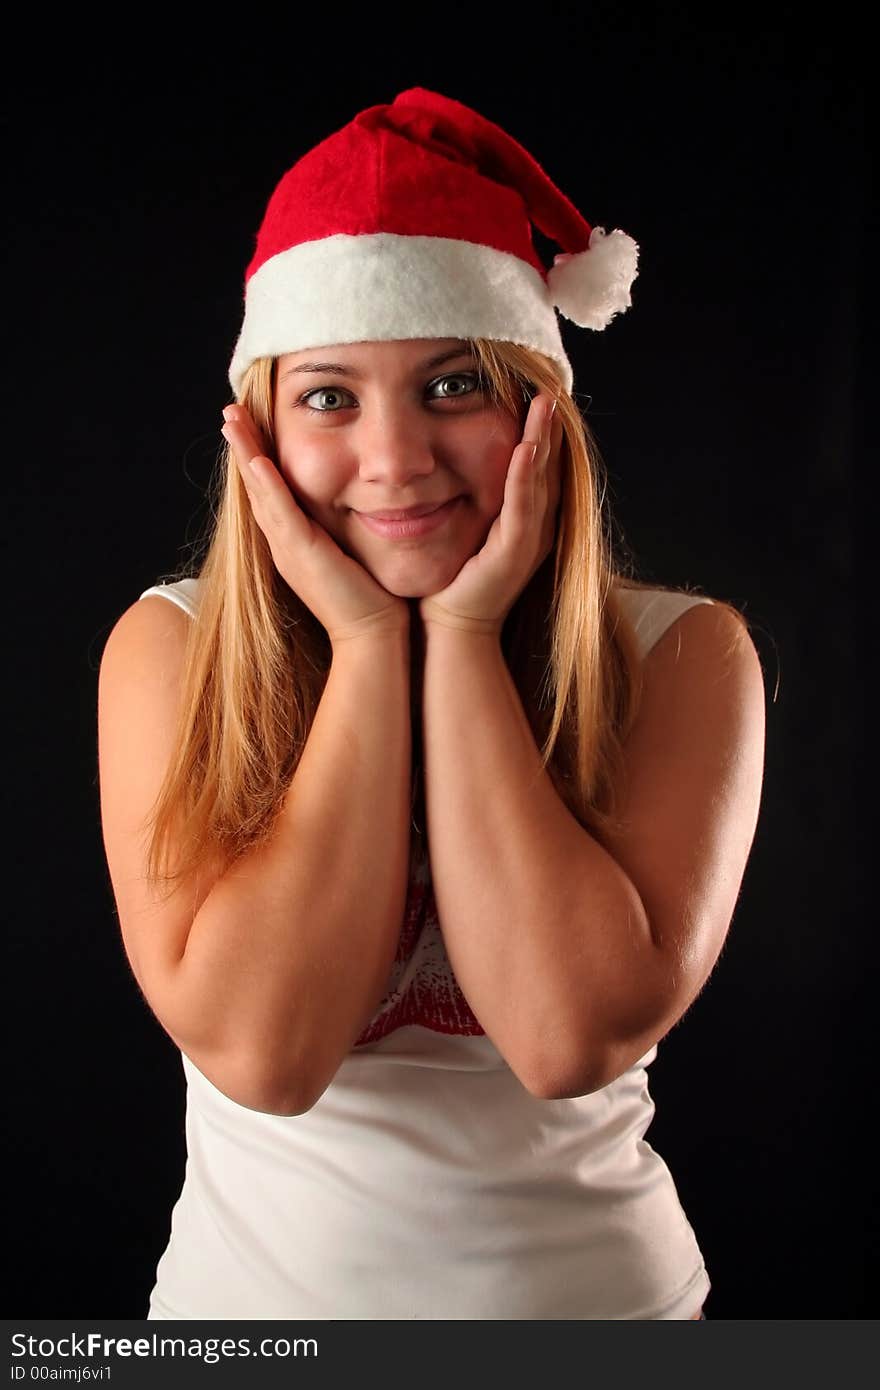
[(423, 831)]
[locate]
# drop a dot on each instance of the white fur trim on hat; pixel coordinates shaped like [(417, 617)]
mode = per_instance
[(383, 286)]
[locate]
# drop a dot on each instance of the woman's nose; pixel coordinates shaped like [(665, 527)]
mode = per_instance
[(393, 448)]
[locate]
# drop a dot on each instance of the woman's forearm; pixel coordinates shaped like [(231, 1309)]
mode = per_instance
[(289, 954), (538, 920)]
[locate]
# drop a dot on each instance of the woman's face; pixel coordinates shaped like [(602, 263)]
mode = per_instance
[(380, 427)]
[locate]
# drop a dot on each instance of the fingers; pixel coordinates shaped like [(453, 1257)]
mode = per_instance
[(542, 477), (538, 420), (539, 436), (244, 439), (272, 502)]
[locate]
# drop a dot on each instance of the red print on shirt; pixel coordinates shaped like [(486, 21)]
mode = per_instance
[(422, 988)]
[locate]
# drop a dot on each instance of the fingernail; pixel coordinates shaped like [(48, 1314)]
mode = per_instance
[(229, 412)]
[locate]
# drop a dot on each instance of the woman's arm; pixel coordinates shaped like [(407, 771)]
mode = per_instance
[(266, 979), (576, 957)]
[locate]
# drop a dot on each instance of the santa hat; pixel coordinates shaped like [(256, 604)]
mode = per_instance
[(415, 221)]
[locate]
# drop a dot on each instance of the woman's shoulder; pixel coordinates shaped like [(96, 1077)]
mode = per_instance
[(652, 609), (183, 592)]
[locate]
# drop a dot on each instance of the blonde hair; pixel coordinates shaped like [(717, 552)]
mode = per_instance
[(257, 659)]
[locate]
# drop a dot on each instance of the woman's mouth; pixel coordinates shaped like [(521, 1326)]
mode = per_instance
[(408, 527)]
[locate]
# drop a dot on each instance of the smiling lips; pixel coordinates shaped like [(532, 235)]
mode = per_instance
[(404, 513), (416, 521)]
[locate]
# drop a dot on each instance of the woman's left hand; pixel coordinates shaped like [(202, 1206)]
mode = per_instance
[(486, 587)]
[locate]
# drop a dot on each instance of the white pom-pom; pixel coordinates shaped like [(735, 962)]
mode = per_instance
[(591, 286)]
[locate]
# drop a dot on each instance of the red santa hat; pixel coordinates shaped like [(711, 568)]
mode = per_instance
[(415, 221)]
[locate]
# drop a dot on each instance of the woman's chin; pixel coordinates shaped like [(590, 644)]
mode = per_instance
[(405, 581), (410, 590), (413, 574)]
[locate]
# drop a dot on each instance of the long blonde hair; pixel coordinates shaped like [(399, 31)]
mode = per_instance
[(257, 659)]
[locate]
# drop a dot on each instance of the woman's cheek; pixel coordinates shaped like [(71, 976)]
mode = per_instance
[(495, 476), (308, 480)]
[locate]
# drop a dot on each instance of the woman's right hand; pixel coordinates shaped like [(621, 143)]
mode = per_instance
[(345, 599)]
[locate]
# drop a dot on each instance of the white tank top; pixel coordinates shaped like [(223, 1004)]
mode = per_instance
[(427, 1182)]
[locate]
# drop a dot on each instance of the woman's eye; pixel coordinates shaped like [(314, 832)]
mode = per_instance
[(334, 392), (458, 384), (327, 400)]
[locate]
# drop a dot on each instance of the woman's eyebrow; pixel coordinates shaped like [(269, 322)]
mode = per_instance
[(340, 369)]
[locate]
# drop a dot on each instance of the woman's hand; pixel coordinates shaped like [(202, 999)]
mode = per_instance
[(521, 538), (345, 599)]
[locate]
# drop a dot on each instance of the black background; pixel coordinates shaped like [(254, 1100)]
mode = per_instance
[(729, 404)]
